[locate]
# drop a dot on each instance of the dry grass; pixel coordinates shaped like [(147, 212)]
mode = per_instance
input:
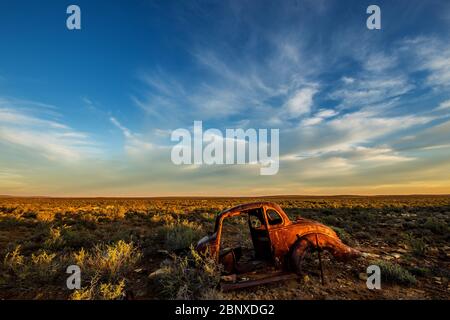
[(119, 242)]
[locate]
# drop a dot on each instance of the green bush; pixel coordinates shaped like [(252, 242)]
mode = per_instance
[(181, 234), (343, 235), (194, 276), (418, 245), (436, 226), (108, 261), (394, 273)]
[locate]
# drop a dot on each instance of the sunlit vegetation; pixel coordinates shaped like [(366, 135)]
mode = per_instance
[(118, 243)]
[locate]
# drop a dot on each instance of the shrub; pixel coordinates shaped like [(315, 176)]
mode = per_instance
[(43, 266), (192, 276), (435, 226), (394, 273), (55, 239), (102, 291), (14, 260), (80, 257), (209, 217), (109, 261), (343, 235), (181, 234), (419, 271), (82, 294), (418, 245), (109, 291)]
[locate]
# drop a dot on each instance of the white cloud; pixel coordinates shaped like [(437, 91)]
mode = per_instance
[(430, 55), (348, 80), (49, 138), (444, 105), (379, 62), (371, 89), (300, 102), (134, 144), (351, 129), (319, 117)]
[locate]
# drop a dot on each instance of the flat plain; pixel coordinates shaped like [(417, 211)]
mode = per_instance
[(125, 247)]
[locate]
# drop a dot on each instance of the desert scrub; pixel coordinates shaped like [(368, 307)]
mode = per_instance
[(394, 273), (14, 260), (194, 276), (181, 234), (102, 291), (343, 235), (109, 261), (77, 237), (55, 239), (162, 218), (44, 266), (208, 217), (418, 245), (436, 226)]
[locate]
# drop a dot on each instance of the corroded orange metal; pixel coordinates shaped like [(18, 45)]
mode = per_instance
[(283, 237)]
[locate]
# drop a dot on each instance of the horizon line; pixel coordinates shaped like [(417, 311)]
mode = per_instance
[(225, 196)]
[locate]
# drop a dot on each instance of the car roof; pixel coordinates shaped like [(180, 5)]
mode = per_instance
[(251, 205)]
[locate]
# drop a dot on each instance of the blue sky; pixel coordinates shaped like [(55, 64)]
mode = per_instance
[(89, 112)]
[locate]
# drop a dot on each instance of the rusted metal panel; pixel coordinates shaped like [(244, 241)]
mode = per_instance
[(258, 282), (282, 233)]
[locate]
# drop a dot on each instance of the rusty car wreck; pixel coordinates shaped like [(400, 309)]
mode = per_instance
[(278, 243)]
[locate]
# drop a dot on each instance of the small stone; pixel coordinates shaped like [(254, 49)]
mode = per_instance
[(396, 255), (363, 276), (370, 255), (229, 278)]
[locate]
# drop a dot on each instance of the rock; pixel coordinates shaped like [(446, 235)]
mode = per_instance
[(229, 278), (370, 255), (396, 255), (362, 276)]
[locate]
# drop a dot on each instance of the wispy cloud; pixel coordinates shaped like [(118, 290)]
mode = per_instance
[(134, 144), (444, 105), (45, 137)]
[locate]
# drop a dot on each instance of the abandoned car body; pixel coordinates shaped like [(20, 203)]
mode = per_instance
[(276, 238)]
